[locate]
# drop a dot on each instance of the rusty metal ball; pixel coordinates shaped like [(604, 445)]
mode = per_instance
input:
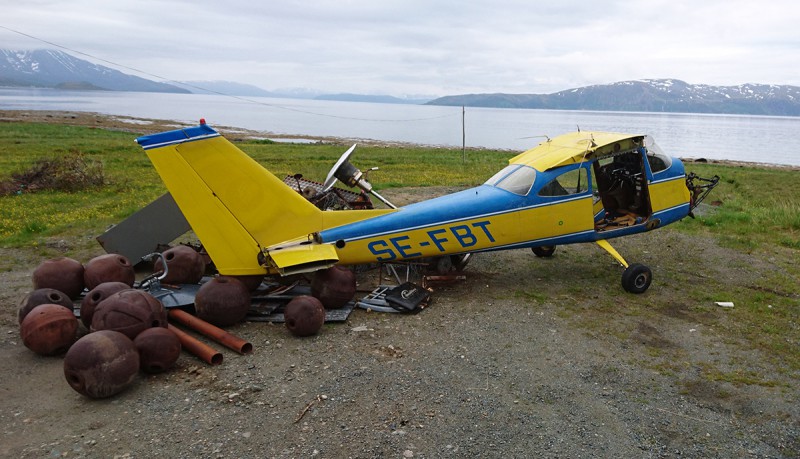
[(159, 349), (252, 282), (63, 274), (101, 364), (222, 301), (304, 315), (334, 286), (184, 265), (129, 312), (42, 296), (95, 296), (49, 329), (110, 267)]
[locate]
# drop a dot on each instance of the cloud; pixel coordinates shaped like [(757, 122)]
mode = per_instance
[(424, 47)]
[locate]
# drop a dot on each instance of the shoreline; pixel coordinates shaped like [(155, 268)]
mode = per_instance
[(146, 126), (151, 125)]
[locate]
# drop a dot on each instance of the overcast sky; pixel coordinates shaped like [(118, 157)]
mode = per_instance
[(423, 47)]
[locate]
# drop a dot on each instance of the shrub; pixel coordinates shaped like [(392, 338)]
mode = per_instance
[(69, 172)]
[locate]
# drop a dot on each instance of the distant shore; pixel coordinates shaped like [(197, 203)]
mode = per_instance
[(150, 126)]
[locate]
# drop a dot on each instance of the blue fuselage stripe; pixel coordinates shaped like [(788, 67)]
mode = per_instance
[(429, 214)]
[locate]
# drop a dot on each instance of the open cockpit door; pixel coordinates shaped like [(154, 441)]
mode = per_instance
[(621, 187)]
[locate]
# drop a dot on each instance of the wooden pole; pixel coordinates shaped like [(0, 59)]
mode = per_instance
[(463, 137)]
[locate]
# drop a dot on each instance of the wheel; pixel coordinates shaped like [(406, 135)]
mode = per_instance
[(636, 278), (443, 265), (545, 251)]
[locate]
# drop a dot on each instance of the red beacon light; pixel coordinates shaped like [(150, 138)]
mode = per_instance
[(202, 121)]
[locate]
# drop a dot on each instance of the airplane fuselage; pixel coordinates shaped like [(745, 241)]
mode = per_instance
[(491, 218)]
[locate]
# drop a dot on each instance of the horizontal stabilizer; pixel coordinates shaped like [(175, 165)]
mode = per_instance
[(302, 258)]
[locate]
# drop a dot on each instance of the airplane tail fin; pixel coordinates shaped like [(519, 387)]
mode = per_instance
[(235, 206)]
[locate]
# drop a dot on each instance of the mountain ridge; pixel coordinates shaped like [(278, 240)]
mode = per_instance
[(59, 70), (648, 95), (47, 68)]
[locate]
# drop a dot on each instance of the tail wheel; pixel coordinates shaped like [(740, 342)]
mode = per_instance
[(636, 278), (545, 251)]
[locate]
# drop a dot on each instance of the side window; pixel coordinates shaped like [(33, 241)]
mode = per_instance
[(572, 182), (658, 163)]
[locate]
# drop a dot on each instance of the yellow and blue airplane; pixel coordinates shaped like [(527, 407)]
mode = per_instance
[(578, 187)]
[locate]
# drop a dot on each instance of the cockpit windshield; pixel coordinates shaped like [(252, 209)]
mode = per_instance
[(659, 161), (515, 178)]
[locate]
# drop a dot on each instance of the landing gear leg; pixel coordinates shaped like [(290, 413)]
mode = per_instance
[(636, 278)]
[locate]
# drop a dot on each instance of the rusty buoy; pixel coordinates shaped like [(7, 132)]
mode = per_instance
[(222, 301), (129, 312), (334, 286), (252, 282), (63, 274), (184, 265), (304, 315), (42, 296), (159, 349), (95, 296), (101, 364), (49, 329), (110, 267)]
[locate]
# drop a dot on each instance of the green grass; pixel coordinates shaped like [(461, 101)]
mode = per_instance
[(757, 206), (27, 218), (398, 166)]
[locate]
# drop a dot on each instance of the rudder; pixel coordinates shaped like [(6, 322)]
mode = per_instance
[(235, 206)]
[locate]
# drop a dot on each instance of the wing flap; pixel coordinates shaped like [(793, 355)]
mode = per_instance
[(302, 258)]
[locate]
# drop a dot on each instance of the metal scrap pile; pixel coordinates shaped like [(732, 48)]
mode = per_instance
[(108, 325)]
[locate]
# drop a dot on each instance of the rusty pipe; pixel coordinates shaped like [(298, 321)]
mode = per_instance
[(203, 351), (217, 334)]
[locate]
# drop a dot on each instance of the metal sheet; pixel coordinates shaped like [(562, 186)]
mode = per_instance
[(269, 308), (159, 222)]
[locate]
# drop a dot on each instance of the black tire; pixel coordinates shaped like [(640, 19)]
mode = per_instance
[(545, 251), (636, 278), (443, 265)]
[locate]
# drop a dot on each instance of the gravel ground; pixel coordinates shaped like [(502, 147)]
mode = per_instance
[(528, 357)]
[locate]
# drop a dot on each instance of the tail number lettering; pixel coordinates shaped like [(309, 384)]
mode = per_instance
[(466, 236)]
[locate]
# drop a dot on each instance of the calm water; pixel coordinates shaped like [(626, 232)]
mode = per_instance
[(735, 137)]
